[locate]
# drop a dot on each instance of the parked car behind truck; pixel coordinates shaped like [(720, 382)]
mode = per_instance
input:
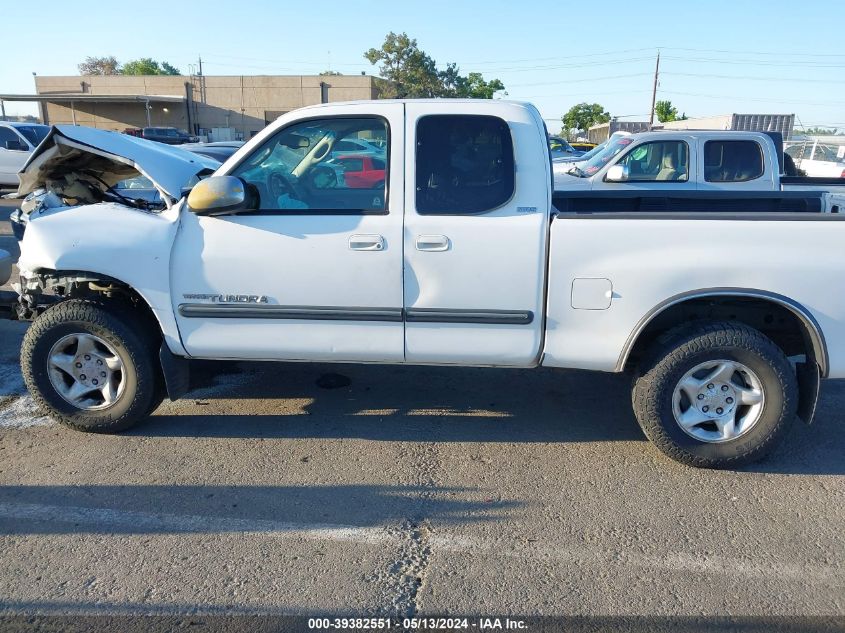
[(726, 317), (167, 135), (17, 141)]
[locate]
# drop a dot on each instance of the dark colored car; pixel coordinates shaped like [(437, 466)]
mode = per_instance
[(219, 150), (169, 135)]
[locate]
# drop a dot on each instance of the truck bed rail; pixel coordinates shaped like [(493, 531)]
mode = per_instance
[(693, 202)]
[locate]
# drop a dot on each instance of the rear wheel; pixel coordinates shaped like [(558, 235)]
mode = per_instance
[(718, 395), (91, 366)]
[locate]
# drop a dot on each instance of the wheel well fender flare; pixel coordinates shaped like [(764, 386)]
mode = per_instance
[(811, 327)]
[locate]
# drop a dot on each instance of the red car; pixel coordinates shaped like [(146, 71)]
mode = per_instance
[(362, 172)]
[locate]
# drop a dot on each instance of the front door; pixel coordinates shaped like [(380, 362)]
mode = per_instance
[(476, 224), (316, 272)]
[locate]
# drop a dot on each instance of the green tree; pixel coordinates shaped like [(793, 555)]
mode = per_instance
[(815, 131), (665, 111), (148, 66), (168, 69), (330, 73), (583, 116), (474, 87), (99, 66), (411, 73)]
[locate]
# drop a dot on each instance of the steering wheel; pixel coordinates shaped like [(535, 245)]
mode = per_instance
[(322, 177), (279, 185)]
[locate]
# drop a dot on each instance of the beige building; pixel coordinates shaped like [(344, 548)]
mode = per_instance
[(216, 107)]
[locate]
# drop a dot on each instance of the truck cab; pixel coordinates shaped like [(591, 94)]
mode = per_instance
[(395, 273)]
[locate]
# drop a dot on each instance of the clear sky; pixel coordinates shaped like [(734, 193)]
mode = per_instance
[(760, 56)]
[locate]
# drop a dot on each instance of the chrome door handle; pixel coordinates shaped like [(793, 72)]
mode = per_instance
[(432, 243), (366, 243)]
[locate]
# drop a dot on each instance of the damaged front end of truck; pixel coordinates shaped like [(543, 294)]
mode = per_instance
[(90, 200)]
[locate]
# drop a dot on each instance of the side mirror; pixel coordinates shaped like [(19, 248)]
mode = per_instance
[(220, 195), (16, 145), (617, 173)]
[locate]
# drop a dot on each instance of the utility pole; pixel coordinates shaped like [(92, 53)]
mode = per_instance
[(200, 64), (654, 90)]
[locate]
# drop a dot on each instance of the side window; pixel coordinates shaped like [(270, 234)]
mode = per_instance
[(301, 167), (464, 164), (7, 135), (732, 161), (657, 161), (796, 152)]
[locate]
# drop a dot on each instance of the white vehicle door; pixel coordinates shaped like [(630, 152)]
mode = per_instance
[(14, 151), (315, 272), (476, 224), (654, 165)]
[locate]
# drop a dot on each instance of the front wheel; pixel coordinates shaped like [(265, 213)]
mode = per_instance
[(718, 395), (92, 367)]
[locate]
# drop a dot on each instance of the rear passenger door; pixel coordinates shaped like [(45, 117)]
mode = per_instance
[(475, 232)]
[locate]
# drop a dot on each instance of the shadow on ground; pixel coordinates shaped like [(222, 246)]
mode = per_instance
[(151, 509), (403, 403)]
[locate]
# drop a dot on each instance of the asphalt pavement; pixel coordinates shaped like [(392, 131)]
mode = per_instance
[(381, 490)]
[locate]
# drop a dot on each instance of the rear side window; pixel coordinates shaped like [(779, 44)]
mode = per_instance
[(732, 161), (464, 164)]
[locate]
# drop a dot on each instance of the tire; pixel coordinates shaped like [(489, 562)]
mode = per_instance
[(121, 339), (662, 395)]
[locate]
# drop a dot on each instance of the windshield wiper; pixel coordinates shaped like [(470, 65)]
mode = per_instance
[(138, 204)]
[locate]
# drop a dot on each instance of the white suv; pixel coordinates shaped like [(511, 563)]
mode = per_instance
[(17, 140)]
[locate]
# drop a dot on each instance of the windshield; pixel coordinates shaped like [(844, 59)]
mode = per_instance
[(33, 133), (598, 148), (603, 157)]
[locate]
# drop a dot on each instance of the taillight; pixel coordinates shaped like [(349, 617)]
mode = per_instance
[(842, 175)]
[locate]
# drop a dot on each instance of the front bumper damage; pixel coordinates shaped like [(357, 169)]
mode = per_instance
[(28, 297)]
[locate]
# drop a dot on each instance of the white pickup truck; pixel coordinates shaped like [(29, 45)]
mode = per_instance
[(695, 160), (726, 308)]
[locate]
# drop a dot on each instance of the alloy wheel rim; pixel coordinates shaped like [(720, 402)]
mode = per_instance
[(86, 371), (718, 401)]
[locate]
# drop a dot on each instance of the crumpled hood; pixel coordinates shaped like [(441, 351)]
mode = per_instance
[(112, 157)]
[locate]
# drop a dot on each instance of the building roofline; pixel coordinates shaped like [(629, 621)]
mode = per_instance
[(64, 97)]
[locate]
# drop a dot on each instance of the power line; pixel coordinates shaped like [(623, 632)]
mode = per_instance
[(587, 94), (756, 62), (608, 62), (753, 78), (758, 99), (574, 81), (779, 53)]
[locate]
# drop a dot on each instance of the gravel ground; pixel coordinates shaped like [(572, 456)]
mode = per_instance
[(279, 488)]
